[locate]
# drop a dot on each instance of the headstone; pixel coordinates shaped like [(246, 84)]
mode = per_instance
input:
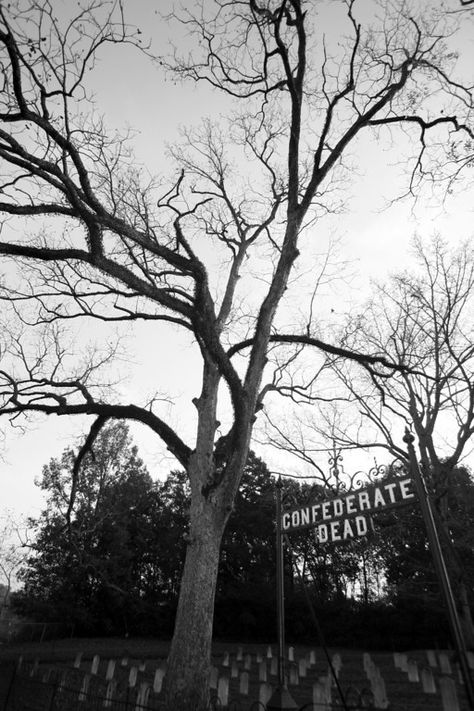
[(379, 691), (234, 670), (269, 652), (158, 679), (302, 668), (226, 661), (291, 654), (320, 699), (109, 674), (213, 677), (77, 661), (294, 679), (259, 657), (427, 681), (95, 664), (431, 656), (244, 683), (142, 696), (124, 662), (84, 688), (240, 654), (35, 666), (223, 690), (274, 666), (449, 697), (264, 694), (444, 663), (142, 666), (132, 677), (404, 662), (312, 657), (109, 693), (413, 674), (262, 670), (336, 664), (247, 661)]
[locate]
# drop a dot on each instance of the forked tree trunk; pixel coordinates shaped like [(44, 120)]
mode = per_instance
[(189, 661)]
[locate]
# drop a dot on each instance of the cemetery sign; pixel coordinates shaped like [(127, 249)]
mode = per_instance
[(347, 515)]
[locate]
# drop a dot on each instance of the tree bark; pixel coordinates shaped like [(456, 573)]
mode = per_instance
[(189, 661)]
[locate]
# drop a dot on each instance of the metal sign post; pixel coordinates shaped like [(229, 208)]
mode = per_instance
[(281, 698), (440, 566)]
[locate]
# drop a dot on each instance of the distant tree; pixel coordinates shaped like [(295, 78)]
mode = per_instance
[(14, 540), (88, 560)]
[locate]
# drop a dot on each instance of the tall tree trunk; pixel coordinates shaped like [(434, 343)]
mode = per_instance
[(189, 661)]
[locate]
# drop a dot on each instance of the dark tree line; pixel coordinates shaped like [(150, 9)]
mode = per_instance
[(110, 546)]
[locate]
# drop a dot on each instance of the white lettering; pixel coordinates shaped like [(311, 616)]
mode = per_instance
[(335, 536), (295, 518), (322, 533), (348, 532), (378, 498), (338, 508), (350, 504), (304, 516), (361, 525), (286, 521), (390, 488), (364, 502), (404, 488), (325, 509), (314, 510)]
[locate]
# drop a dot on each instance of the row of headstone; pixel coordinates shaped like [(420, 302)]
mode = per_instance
[(377, 683), (439, 661)]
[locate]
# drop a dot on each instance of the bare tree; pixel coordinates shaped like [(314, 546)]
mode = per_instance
[(113, 245), (422, 320)]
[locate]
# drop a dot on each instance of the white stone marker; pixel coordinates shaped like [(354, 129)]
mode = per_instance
[(109, 674), (312, 657), (240, 654), (431, 656), (413, 674), (302, 668), (427, 681), (223, 690), (109, 693), (132, 677), (158, 679), (269, 652), (226, 661), (264, 694), (274, 666), (262, 670), (84, 688), (244, 684), (247, 661), (95, 664), (142, 666), (449, 696), (320, 697), (291, 654), (77, 661), (444, 663), (234, 670), (294, 679), (142, 696)]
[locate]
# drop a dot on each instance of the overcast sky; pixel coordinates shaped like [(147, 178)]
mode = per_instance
[(131, 91)]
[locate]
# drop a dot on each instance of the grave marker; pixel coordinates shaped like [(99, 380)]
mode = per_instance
[(244, 683), (223, 690), (143, 695), (158, 679), (109, 693), (431, 654), (109, 674), (427, 681), (264, 694), (444, 663), (95, 664), (77, 661), (262, 671), (449, 697), (84, 688), (234, 670), (132, 677), (413, 674)]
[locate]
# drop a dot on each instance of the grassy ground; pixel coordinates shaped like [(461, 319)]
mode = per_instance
[(402, 694)]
